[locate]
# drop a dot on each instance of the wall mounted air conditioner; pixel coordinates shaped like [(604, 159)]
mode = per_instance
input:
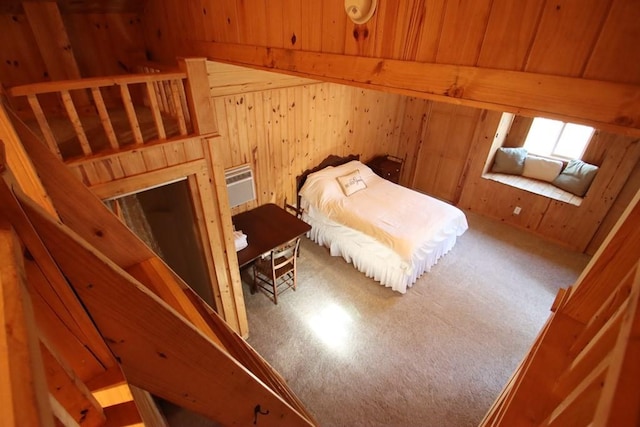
[(240, 185)]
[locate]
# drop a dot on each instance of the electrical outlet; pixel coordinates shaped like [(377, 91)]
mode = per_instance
[(517, 210)]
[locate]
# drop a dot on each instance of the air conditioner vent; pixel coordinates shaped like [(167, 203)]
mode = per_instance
[(240, 185)]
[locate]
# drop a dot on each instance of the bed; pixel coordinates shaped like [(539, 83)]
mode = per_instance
[(390, 233)]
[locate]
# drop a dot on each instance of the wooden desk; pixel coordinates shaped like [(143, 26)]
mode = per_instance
[(266, 227)]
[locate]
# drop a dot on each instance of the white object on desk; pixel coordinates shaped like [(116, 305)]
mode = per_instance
[(240, 240)]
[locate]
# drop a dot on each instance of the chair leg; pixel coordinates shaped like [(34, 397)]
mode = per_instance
[(275, 290), (254, 285)]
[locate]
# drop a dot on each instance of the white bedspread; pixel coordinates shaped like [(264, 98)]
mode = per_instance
[(391, 233)]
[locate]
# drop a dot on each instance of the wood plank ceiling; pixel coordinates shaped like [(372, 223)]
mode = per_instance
[(562, 45)]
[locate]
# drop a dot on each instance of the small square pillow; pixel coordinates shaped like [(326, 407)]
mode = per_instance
[(577, 177), (351, 182), (541, 168), (509, 160)]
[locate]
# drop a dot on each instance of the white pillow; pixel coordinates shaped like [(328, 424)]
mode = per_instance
[(351, 182), (541, 168)]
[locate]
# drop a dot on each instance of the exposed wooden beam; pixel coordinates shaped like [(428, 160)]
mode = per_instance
[(18, 161), (69, 390), (53, 42), (605, 105), (159, 350), (23, 388)]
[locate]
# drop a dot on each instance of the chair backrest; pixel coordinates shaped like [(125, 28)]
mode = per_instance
[(283, 254)]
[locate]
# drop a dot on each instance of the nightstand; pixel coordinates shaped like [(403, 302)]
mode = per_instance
[(388, 167)]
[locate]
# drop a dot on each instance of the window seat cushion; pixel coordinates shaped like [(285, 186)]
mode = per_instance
[(541, 188), (541, 168), (509, 160), (576, 178)]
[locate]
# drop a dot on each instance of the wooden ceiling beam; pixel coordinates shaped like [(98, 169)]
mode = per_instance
[(604, 105)]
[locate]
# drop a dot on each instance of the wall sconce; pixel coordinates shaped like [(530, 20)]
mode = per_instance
[(360, 11)]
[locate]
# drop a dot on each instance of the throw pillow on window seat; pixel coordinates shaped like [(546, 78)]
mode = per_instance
[(509, 161), (541, 168), (577, 177)]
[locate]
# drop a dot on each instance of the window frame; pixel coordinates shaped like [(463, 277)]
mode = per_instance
[(552, 153)]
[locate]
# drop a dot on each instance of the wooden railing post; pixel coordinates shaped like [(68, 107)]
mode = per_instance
[(198, 95)]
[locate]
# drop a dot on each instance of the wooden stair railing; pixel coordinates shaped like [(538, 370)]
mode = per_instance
[(164, 94), (584, 369)]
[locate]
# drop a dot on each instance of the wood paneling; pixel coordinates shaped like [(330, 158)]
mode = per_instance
[(494, 34), (226, 79), (603, 104), (516, 22), (615, 54), (573, 226), (446, 149), (20, 61), (106, 44), (282, 132), (449, 134), (566, 35), (461, 39), (103, 44)]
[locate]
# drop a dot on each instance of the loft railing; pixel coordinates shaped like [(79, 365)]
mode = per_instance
[(162, 93)]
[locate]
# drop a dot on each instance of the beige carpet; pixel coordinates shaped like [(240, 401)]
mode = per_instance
[(359, 354)]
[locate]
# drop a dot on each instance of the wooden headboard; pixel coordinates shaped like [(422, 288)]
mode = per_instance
[(331, 160)]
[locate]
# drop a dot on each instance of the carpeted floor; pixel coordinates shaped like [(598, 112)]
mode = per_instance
[(359, 354)]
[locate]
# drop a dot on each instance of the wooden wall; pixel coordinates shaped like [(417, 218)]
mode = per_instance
[(565, 59), (102, 44), (282, 132), (593, 39)]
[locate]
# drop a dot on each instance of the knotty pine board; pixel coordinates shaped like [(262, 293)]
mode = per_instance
[(282, 132), (596, 39)]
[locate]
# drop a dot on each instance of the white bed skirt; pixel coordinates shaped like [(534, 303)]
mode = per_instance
[(375, 260)]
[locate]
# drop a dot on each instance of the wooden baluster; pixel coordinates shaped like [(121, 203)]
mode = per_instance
[(44, 125), (167, 90), (75, 121), (183, 101), (155, 110), (131, 113), (162, 96), (104, 117), (178, 107)]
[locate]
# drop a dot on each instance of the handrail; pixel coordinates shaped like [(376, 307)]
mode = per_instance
[(91, 82), (162, 92)]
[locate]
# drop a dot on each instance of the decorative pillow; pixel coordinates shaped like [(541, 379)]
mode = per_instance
[(541, 168), (509, 160), (576, 178), (351, 182)]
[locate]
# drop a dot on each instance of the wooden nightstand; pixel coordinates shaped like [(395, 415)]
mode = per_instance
[(388, 167)]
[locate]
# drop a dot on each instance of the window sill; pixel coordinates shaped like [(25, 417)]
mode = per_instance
[(534, 186)]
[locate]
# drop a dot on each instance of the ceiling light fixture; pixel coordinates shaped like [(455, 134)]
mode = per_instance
[(360, 11)]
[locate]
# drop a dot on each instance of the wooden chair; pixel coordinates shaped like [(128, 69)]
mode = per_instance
[(276, 270)]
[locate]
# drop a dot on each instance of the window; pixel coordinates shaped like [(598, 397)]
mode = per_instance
[(554, 138)]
